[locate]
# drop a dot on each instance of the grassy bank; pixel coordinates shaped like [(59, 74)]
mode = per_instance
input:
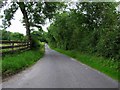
[(14, 63), (109, 67)]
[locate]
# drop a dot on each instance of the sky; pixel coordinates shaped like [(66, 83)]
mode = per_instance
[(17, 26)]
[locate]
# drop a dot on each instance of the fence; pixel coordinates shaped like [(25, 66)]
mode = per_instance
[(13, 46)]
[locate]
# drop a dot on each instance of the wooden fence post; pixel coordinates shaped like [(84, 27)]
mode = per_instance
[(12, 47), (27, 45), (19, 44)]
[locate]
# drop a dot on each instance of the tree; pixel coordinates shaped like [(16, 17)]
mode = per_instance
[(17, 36), (7, 35), (92, 27), (34, 13)]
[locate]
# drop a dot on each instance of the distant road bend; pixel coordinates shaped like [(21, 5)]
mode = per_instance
[(56, 70)]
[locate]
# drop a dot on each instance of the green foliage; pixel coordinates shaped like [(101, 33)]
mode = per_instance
[(44, 37), (37, 36), (16, 62), (17, 36), (92, 27), (7, 35), (9, 14), (35, 43)]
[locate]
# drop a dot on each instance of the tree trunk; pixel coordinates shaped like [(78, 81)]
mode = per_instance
[(25, 16)]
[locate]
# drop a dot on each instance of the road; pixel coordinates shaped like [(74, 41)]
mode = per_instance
[(56, 70)]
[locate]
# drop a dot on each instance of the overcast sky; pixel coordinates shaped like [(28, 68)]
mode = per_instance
[(17, 26)]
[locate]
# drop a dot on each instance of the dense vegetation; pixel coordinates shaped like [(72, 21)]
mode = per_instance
[(89, 33), (92, 28), (7, 35)]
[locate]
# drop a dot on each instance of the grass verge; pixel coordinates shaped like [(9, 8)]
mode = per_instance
[(106, 66), (14, 63)]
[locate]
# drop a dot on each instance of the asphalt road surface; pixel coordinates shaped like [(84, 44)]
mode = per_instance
[(56, 70)]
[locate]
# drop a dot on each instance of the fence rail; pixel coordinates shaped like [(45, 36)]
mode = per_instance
[(13, 46)]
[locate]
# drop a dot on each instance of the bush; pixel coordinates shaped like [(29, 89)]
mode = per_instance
[(35, 43)]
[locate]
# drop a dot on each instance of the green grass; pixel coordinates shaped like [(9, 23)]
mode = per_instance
[(106, 66), (12, 64)]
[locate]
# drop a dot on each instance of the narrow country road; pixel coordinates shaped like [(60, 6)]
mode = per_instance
[(56, 70)]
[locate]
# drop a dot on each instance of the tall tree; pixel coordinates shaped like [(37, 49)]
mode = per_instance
[(91, 27), (34, 13)]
